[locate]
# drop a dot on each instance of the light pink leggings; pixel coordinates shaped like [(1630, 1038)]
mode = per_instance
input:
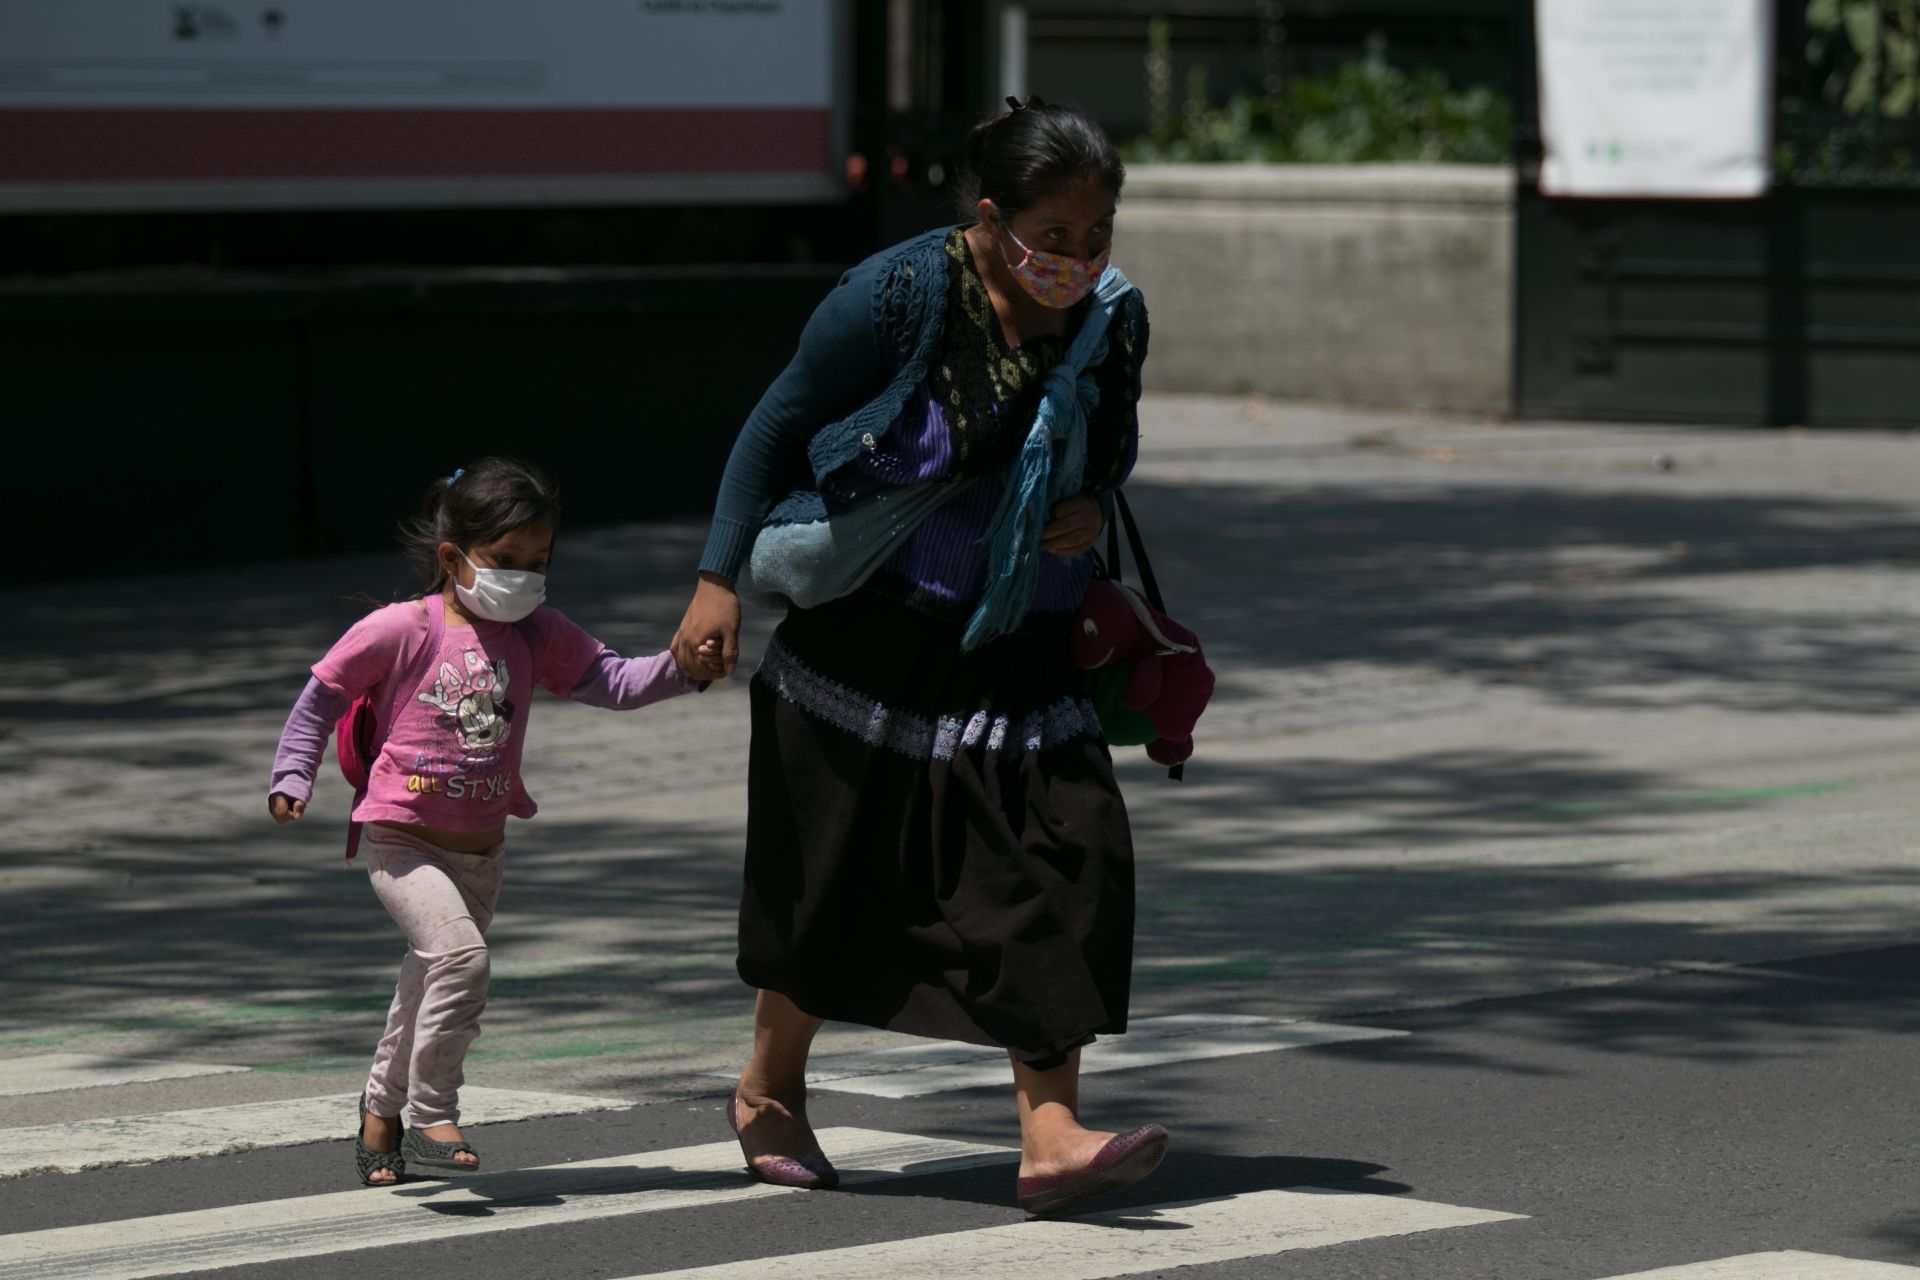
[(443, 902)]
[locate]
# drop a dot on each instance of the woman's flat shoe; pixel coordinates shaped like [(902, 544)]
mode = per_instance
[(810, 1173), (1127, 1158), (430, 1154), (367, 1160)]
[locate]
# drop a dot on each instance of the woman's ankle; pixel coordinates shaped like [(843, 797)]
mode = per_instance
[(754, 1104), (782, 1042), (783, 1082), (1059, 1150)]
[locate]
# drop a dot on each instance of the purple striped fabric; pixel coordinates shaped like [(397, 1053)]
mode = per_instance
[(945, 557), (918, 447)]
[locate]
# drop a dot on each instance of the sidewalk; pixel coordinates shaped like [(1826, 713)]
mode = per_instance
[(1503, 708)]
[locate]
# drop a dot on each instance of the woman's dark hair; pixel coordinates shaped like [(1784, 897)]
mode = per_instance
[(482, 502), (1024, 154)]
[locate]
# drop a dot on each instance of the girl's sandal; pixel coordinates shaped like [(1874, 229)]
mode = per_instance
[(429, 1154), (368, 1161)]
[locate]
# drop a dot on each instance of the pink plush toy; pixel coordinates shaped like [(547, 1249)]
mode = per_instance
[(1169, 678)]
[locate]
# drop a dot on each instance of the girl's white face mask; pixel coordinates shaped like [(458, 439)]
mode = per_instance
[(501, 595)]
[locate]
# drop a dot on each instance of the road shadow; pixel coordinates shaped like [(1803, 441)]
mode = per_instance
[(212, 972), (545, 1188), (1185, 1175), (1602, 598), (138, 875), (1595, 598)]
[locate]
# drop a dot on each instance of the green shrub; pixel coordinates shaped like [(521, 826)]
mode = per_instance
[(1365, 110), (1851, 112)]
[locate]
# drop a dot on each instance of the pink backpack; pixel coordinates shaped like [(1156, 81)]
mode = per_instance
[(359, 734)]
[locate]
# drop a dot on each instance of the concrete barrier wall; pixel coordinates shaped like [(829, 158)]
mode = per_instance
[(1385, 285)]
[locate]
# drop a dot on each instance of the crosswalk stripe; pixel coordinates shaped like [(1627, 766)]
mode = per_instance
[(75, 1145), (914, 1070), (52, 1072), (413, 1213), (1787, 1265), (1122, 1242)]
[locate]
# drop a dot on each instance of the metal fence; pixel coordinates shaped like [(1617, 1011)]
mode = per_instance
[(1801, 307)]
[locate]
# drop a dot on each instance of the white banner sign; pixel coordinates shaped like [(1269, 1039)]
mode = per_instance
[(1655, 97)]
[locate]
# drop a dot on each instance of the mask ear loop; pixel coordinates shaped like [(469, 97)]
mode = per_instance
[(1025, 253)]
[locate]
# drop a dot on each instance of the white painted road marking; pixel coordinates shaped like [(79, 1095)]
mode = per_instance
[(920, 1069), (1790, 1265), (52, 1072), (208, 1131), (1122, 1242), (418, 1212)]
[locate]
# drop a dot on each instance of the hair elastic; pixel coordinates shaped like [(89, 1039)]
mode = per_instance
[(458, 472)]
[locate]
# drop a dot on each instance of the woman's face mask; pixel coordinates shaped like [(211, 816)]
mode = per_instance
[(1053, 279)]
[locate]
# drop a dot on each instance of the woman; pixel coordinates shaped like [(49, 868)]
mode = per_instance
[(935, 840)]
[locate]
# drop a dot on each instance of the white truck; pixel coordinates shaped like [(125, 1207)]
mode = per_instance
[(147, 105)]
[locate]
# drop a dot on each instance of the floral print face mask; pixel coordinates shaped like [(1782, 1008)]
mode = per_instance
[(1054, 279)]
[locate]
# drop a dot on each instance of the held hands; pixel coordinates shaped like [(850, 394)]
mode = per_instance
[(284, 809), (1073, 529), (707, 645)]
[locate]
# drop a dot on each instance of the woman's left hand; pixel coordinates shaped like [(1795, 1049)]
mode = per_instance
[(1073, 529)]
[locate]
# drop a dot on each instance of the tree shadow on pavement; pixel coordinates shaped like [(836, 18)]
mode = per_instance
[(1723, 1016), (1586, 594), (1598, 598), (141, 888), (222, 964)]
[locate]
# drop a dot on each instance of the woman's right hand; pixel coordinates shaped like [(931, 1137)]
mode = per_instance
[(707, 646)]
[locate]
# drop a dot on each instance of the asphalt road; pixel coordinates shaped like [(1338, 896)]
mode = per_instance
[(1578, 757)]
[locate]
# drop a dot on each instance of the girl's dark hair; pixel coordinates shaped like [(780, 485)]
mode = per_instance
[(1026, 153), (482, 502)]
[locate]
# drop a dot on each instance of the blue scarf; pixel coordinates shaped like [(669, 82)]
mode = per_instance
[(1037, 480)]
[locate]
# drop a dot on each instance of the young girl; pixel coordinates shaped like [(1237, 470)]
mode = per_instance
[(450, 677)]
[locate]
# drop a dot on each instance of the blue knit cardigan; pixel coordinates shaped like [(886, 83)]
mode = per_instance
[(862, 354)]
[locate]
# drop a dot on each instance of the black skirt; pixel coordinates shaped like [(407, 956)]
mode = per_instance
[(935, 841)]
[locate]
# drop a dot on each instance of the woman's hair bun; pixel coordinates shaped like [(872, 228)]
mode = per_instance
[(1033, 148)]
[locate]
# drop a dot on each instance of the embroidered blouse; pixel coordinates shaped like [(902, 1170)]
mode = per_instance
[(866, 354), (966, 421)]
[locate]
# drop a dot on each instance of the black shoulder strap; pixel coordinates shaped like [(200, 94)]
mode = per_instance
[(1148, 585), (1139, 549)]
